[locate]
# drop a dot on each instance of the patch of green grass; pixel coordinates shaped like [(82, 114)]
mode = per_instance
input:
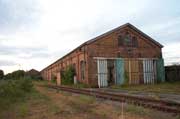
[(16, 95), (54, 109), (41, 82), (81, 104), (25, 106), (36, 95), (136, 110), (178, 117), (86, 99), (23, 110)]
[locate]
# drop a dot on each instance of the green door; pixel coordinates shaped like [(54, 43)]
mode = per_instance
[(119, 71), (160, 70)]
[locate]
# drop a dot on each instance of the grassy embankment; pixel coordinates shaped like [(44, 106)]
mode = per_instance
[(43, 103)]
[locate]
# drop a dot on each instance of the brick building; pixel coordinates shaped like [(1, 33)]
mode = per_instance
[(122, 55)]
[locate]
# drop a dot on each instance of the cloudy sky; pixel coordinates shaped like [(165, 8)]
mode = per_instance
[(34, 33)]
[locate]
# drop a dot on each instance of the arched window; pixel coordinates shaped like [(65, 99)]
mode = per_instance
[(74, 68), (127, 39), (120, 40), (134, 42), (82, 66)]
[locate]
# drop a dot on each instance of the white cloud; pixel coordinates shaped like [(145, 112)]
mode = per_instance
[(171, 53), (58, 26)]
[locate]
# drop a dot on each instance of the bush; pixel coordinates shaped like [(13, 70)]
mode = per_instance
[(1, 74), (25, 84), (12, 91), (68, 76)]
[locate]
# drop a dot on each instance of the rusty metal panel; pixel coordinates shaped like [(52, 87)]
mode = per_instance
[(132, 71), (135, 77), (102, 73)]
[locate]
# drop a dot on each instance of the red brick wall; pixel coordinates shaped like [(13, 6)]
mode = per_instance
[(108, 47), (74, 58)]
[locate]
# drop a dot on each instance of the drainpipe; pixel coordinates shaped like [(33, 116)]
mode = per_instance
[(84, 64)]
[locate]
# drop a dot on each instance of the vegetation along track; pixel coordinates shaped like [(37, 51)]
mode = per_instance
[(161, 105)]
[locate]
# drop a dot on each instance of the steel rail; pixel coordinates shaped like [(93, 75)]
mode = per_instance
[(161, 105)]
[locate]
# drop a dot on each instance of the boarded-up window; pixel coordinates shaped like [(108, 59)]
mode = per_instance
[(120, 40), (82, 66)]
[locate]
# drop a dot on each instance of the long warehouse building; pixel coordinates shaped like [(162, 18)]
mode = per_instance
[(124, 55)]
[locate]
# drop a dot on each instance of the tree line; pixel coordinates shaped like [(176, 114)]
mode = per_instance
[(18, 74)]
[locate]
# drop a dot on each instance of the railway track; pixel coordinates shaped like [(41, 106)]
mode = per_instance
[(161, 105)]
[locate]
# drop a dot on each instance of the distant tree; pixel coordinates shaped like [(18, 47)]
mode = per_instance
[(18, 74), (8, 76), (15, 75), (1, 74)]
